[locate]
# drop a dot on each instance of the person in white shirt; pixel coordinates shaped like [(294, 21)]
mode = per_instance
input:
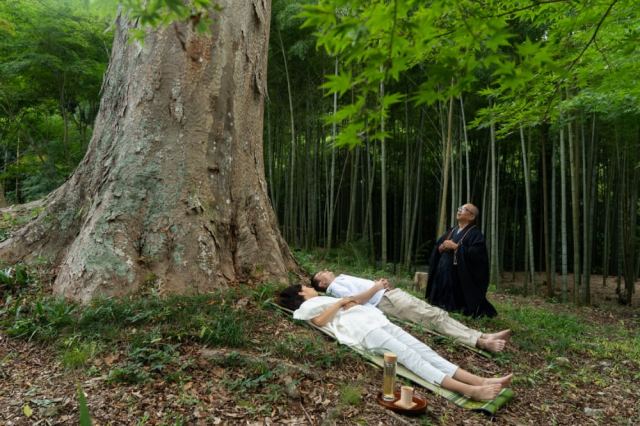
[(365, 327), (400, 304)]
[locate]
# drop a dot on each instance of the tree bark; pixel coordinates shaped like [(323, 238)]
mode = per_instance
[(563, 215), (466, 151), (383, 183), (608, 179), (528, 215), (493, 248), (171, 191), (552, 251), (290, 221), (351, 221), (575, 210), (545, 213), (332, 178), (446, 157)]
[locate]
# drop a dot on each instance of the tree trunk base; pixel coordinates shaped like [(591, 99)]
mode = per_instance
[(171, 193)]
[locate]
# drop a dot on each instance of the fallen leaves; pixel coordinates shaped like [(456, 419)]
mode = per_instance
[(27, 410), (34, 388)]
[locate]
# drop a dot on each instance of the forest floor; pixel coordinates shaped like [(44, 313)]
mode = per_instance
[(230, 358)]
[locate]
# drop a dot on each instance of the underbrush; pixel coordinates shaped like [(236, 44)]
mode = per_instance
[(572, 347), (9, 222), (149, 330), (267, 359)]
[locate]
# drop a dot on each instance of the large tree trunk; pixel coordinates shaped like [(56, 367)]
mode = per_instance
[(171, 192)]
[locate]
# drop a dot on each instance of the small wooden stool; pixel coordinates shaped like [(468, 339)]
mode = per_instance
[(420, 281)]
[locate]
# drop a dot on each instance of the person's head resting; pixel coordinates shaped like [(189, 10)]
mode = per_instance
[(321, 280), (294, 296), (468, 213)]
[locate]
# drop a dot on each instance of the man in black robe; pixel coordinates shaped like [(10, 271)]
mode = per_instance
[(459, 268)]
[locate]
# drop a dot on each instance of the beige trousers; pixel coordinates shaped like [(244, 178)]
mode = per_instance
[(409, 308)]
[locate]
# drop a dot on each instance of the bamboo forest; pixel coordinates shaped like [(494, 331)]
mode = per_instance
[(469, 169)]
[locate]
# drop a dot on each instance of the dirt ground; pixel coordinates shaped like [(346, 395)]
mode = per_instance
[(602, 293), (31, 375)]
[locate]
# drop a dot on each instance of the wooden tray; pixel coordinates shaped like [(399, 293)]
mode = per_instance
[(419, 408)]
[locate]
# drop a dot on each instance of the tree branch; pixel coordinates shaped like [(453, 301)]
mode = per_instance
[(577, 58), (531, 6), (593, 36)]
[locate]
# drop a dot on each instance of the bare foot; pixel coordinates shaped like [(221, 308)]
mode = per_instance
[(485, 392), (503, 381), (500, 335), (491, 345)]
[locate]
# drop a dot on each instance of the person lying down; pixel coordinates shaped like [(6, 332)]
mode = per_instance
[(367, 328)]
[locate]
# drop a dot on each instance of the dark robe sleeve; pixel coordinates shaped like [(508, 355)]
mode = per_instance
[(473, 274), (433, 265)]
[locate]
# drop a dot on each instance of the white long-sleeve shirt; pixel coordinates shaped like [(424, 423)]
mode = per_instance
[(348, 286), (349, 326)]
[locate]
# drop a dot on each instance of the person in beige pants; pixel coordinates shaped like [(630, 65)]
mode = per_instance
[(395, 302)]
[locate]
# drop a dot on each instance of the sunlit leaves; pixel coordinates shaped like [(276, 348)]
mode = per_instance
[(161, 13), (339, 83), (347, 112), (155, 13), (51, 69), (6, 27), (509, 49), (391, 99)]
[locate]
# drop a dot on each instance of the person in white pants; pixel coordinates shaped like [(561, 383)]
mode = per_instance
[(365, 327), (398, 303)]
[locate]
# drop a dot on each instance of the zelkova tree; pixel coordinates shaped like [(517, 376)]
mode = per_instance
[(171, 192)]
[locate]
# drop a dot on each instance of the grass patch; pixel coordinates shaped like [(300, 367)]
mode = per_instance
[(227, 329), (312, 349), (211, 319), (268, 384), (255, 372), (43, 319), (350, 395), (10, 222), (150, 330), (15, 279), (535, 329), (77, 354), (130, 374)]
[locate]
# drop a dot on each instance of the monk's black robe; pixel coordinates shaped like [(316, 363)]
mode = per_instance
[(458, 281)]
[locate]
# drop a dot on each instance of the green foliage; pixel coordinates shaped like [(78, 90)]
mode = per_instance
[(15, 279), (227, 329), (161, 13), (356, 254), (521, 56), (151, 328), (257, 378), (43, 319), (130, 373), (257, 373), (85, 417), (204, 318), (77, 353), (149, 356), (265, 293), (51, 68), (556, 333), (350, 395), (154, 354), (10, 222), (313, 350)]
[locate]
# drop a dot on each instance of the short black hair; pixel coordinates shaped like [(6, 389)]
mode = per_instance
[(315, 282), (289, 297)]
